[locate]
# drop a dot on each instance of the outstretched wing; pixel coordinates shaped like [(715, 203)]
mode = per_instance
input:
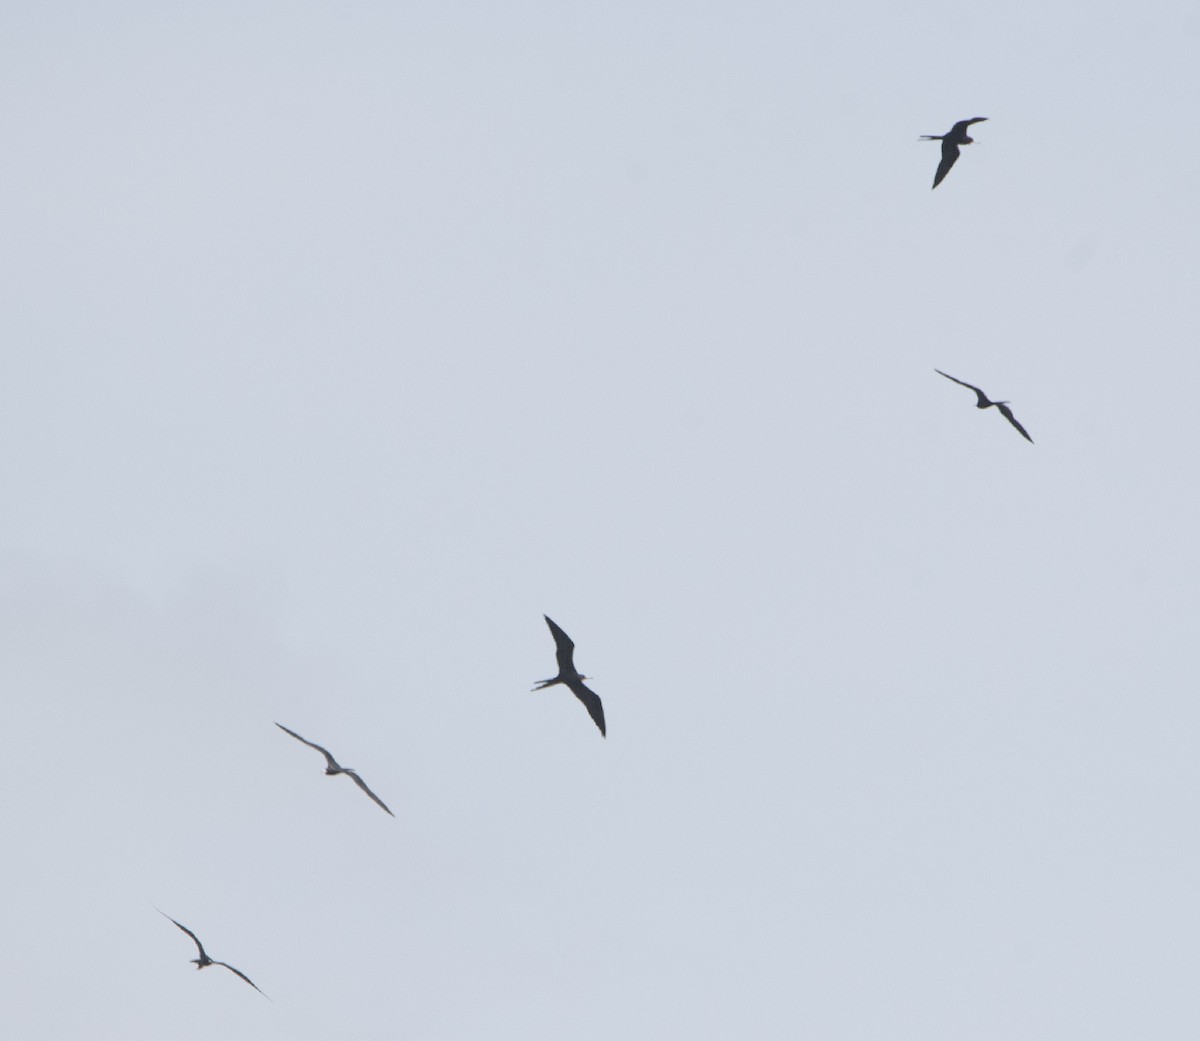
[(238, 972), (983, 398), (961, 126), (949, 158), (564, 648), (199, 945), (592, 703), (363, 785), (328, 758), (1006, 412)]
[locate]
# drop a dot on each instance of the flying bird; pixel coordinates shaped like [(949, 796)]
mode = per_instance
[(332, 767), (204, 960), (950, 142), (984, 402), (564, 650)]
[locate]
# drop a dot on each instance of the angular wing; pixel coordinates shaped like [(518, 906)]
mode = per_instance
[(363, 785), (592, 703), (961, 126), (199, 945), (1007, 414), (564, 648), (983, 398), (949, 158), (238, 972), (328, 758)]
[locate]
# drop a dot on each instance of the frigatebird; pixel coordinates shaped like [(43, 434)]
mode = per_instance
[(984, 402), (950, 142), (569, 676), (332, 767), (204, 960)]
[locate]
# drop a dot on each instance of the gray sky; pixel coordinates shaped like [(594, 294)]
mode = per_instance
[(340, 342)]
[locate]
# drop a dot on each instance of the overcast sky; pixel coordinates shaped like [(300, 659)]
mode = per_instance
[(340, 342)]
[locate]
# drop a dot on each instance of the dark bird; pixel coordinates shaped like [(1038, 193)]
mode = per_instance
[(332, 768), (567, 674), (985, 403), (950, 142), (204, 960)]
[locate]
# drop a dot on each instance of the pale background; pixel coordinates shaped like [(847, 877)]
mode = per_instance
[(341, 341)]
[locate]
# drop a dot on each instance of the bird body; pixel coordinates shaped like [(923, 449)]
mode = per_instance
[(983, 401), (950, 145), (204, 961), (570, 677), (332, 768)]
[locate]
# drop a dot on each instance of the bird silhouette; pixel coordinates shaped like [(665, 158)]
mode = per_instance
[(950, 142), (332, 768), (204, 960), (569, 676), (985, 402)]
